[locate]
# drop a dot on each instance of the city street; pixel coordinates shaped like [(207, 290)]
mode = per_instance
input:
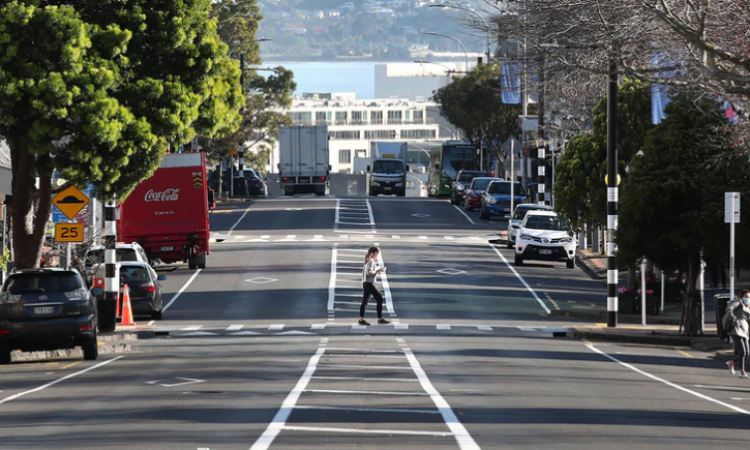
[(260, 350)]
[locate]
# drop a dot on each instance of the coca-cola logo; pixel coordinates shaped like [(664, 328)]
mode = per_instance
[(167, 195)]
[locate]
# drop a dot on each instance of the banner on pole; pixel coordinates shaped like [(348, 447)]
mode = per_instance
[(731, 207)]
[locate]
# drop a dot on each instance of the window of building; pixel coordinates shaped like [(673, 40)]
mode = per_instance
[(357, 117), (345, 156), (380, 134), (418, 116), (341, 117), (418, 134), (301, 118), (394, 117), (377, 117), (344, 135), (320, 118), (408, 115)]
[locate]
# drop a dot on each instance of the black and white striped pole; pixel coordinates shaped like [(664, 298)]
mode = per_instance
[(108, 310), (612, 197), (540, 168), (241, 154)]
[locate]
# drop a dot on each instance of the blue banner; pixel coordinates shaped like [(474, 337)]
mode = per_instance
[(510, 82)]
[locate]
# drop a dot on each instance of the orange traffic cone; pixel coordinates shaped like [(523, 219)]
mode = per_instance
[(127, 309)]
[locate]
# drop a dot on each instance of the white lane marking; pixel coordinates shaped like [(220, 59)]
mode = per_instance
[(349, 295), (390, 410), (266, 236), (400, 326), (231, 230), (332, 281), (668, 383), (352, 349), (191, 328), (386, 286), (395, 380), (513, 269), (356, 327), (276, 327), (282, 415), (443, 327), (424, 238), (317, 326), (369, 210), (199, 333), (464, 214), (464, 439), (59, 380), (449, 238), (235, 327), (354, 356), (360, 366), (484, 328), (336, 214), (336, 391), (526, 328), (182, 289), (351, 275), (150, 323), (362, 431)]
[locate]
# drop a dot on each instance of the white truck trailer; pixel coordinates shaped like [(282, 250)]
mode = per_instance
[(304, 166), (386, 173)]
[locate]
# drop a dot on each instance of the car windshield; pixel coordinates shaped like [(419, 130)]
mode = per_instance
[(122, 254), (468, 176), (521, 212), (394, 166), (480, 183), (24, 283), (504, 188), (545, 223), (133, 273)]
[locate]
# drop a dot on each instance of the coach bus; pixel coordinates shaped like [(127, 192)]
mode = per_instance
[(445, 162)]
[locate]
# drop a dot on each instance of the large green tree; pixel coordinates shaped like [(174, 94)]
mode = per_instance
[(672, 205), (580, 191), (96, 90), (473, 104)]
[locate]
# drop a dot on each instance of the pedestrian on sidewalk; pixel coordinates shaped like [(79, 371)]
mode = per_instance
[(370, 271), (738, 316)]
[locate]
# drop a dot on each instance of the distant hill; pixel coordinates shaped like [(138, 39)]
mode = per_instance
[(379, 30)]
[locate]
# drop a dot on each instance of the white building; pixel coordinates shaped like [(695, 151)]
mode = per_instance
[(353, 123)]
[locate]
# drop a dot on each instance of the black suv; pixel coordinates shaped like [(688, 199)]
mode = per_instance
[(46, 309), (463, 180)]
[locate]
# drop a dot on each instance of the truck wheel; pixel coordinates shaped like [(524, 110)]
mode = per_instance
[(4, 354), (288, 191), (401, 193), (519, 260), (571, 263), (320, 192), (157, 315), (373, 194), (90, 350), (197, 262)]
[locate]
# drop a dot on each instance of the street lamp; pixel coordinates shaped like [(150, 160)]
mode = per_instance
[(448, 70), (473, 11), (237, 44), (466, 52)]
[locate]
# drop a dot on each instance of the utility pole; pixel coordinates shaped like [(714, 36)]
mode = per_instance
[(541, 163), (612, 195)]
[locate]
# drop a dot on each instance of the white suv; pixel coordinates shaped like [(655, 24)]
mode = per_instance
[(545, 236)]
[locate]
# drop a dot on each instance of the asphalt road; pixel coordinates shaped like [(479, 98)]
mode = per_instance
[(260, 350)]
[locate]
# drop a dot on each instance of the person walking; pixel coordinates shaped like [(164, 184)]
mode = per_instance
[(738, 315), (370, 271)]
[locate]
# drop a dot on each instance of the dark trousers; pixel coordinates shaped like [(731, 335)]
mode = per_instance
[(371, 291), (741, 351)]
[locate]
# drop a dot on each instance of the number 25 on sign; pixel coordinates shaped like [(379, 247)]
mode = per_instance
[(69, 232)]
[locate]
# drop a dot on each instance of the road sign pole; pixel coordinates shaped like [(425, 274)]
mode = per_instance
[(67, 255), (731, 216)]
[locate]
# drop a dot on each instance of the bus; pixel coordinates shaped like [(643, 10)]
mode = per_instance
[(445, 162)]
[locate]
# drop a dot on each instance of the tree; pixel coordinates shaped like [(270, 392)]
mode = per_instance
[(473, 104), (580, 194), (266, 98), (97, 92), (673, 201)]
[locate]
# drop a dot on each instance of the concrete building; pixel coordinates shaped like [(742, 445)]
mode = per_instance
[(353, 123), (6, 174)]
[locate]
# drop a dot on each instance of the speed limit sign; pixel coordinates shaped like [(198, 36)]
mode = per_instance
[(69, 232)]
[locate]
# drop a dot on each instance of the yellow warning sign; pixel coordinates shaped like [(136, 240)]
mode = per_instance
[(69, 232), (70, 201), (197, 180)]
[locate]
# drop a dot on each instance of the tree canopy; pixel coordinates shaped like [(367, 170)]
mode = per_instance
[(97, 90)]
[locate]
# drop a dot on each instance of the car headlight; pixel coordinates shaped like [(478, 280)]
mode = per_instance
[(375, 183), (399, 184), (78, 295), (526, 237), (491, 200), (460, 187), (566, 239)]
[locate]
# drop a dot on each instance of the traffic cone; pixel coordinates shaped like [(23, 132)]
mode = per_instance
[(127, 309)]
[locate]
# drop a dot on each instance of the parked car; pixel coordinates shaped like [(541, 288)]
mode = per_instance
[(123, 252), (145, 290), (545, 236), (255, 182), (47, 309), (496, 199), (462, 182), (518, 215), (473, 198)]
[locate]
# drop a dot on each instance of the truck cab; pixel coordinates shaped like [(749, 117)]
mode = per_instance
[(387, 171)]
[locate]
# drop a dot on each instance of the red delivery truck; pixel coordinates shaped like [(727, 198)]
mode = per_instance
[(168, 214)]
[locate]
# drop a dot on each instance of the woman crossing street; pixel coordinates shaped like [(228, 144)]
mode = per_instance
[(370, 271)]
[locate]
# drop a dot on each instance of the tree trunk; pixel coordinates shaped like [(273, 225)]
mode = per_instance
[(31, 207), (691, 299)]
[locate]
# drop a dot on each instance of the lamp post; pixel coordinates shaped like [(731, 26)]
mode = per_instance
[(466, 52), (231, 52), (473, 11), (448, 70)]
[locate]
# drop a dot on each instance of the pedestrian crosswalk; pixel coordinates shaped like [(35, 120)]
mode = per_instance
[(349, 237)]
